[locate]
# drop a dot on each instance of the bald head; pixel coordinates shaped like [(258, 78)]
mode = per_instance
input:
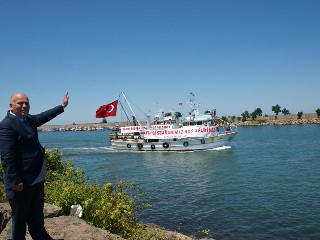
[(19, 105)]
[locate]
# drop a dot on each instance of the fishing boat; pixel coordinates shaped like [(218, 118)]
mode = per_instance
[(171, 132)]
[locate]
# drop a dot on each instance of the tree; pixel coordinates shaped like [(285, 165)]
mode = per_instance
[(300, 115), (255, 113), (276, 109), (285, 111), (244, 118), (104, 120), (318, 112), (258, 111), (245, 115)]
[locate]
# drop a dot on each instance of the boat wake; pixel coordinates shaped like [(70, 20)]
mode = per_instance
[(107, 149), (220, 148), (111, 149), (89, 149)]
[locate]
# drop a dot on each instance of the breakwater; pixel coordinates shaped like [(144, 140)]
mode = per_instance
[(280, 120)]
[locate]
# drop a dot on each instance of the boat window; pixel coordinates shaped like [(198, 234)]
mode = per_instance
[(192, 123), (186, 124)]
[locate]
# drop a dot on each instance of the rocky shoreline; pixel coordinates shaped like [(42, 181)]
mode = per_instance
[(71, 227), (279, 122)]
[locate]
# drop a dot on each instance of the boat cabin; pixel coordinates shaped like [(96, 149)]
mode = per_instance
[(199, 120)]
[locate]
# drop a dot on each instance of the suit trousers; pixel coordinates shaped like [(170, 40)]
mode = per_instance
[(27, 209)]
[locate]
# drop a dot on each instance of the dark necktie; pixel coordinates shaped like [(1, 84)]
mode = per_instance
[(26, 123)]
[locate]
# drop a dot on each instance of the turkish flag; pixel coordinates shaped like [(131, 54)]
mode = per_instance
[(107, 110)]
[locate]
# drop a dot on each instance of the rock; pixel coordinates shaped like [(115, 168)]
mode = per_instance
[(68, 228), (57, 225), (5, 215), (51, 211), (6, 232), (159, 233), (74, 228)]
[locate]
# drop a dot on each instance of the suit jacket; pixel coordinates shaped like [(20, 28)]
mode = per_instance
[(22, 156)]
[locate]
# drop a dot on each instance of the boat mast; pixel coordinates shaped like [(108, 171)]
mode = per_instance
[(194, 107), (134, 115)]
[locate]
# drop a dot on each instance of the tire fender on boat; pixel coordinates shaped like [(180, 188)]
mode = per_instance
[(185, 144), (165, 145), (128, 145), (140, 145), (152, 146), (202, 141)]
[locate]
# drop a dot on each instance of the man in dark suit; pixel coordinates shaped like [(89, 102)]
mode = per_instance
[(24, 167)]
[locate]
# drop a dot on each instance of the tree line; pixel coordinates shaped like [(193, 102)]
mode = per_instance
[(245, 115)]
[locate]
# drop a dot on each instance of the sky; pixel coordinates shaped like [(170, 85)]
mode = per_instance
[(234, 55)]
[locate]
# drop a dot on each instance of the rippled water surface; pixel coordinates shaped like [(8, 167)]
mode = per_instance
[(265, 185)]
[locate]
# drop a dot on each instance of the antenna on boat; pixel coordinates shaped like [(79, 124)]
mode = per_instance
[(194, 107)]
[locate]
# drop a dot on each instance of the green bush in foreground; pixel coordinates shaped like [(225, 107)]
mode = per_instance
[(112, 206), (3, 197)]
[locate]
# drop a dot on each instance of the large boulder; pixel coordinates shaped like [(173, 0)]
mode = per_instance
[(57, 225), (68, 228), (5, 215), (74, 228)]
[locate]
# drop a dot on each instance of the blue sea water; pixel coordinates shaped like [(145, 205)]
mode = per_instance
[(265, 185)]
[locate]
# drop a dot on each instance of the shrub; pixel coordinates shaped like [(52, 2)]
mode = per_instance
[(261, 121), (111, 206), (3, 197)]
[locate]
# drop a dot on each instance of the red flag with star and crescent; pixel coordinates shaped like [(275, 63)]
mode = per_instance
[(108, 110)]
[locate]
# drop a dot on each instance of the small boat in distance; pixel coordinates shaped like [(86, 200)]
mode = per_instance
[(171, 132)]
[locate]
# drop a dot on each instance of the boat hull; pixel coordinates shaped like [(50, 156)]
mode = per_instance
[(188, 144)]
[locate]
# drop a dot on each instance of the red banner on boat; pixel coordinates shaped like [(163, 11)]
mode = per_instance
[(108, 110)]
